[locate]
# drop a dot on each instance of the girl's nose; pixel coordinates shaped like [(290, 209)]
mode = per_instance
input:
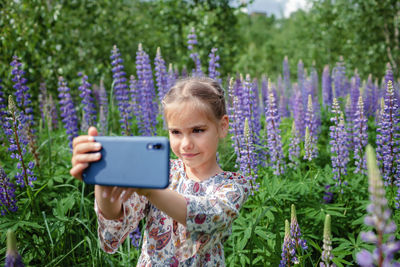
[(187, 143)]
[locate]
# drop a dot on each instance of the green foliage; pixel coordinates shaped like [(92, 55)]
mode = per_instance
[(56, 38)]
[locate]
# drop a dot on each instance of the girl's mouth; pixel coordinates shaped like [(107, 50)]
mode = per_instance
[(189, 155)]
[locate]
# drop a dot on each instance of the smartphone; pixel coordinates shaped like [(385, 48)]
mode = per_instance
[(130, 161)]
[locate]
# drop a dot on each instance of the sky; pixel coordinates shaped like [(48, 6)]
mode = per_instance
[(278, 7)]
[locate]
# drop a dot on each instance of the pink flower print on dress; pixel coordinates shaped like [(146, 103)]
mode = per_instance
[(200, 218)]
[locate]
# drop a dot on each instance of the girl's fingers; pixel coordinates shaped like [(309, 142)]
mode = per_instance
[(77, 170), (85, 158), (84, 147), (81, 139), (126, 194), (115, 193)]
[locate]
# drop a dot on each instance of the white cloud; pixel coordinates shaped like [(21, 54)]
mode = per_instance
[(293, 5)]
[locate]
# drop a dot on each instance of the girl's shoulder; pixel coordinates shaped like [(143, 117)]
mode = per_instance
[(233, 176)]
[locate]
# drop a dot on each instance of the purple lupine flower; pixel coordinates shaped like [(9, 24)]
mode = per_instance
[(310, 144), (234, 116), (255, 121), (192, 41), (370, 96), (388, 134), (383, 236), (13, 258), (298, 111), (135, 237), (68, 112), (7, 194), (134, 97), (18, 145), (161, 75), (89, 108), (248, 163), (328, 195), (23, 97), (294, 147), (121, 91), (147, 120), (326, 87), (23, 101), (295, 232), (103, 109), (286, 77), (288, 250), (339, 145), (360, 137), (274, 138), (327, 255), (213, 65), (339, 79), (389, 77)]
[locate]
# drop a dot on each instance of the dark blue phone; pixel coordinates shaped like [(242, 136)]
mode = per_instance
[(131, 161)]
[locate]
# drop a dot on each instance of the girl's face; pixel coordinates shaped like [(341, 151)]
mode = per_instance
[(194, 136)]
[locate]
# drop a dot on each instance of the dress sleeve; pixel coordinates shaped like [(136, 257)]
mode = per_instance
[(112, 233), (214, 213)]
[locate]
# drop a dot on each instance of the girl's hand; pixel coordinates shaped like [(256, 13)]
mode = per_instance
[(81, 156)]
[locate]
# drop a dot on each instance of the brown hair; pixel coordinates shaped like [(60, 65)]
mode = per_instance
[(206, 91)]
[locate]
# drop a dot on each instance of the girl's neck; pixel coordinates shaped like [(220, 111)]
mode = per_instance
[(202, 174)]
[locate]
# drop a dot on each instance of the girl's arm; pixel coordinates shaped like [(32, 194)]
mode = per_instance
[(168, 201)]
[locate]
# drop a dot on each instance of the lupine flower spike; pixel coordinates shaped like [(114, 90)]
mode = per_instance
[(192, 41), (161, 75), (274, 137), (383, 236), (13, 258), (214, 65), (89, 108), (121, 91), (248, 164), (8, 203), (147, 119), (327, 255), (360, 137), (310, 145), (18, 144), (68, 112), (23, 102), (388, 135), (288, 249), (295, 231), (339, 145)]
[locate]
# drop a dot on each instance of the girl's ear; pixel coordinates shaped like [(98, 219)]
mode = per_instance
[(224, 126)]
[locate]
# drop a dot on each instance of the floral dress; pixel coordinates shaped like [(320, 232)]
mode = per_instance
[(212, 205)]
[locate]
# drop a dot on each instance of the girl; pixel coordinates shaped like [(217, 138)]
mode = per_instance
[(188, 222)]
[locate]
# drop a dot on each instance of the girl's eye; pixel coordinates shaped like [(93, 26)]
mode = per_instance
[(195, 130), (174, 132)]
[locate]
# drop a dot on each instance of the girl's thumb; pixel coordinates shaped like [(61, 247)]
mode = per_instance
[(92, 131)]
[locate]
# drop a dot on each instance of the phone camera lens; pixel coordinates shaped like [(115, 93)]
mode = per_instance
[(149, 146), (157, 146)]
